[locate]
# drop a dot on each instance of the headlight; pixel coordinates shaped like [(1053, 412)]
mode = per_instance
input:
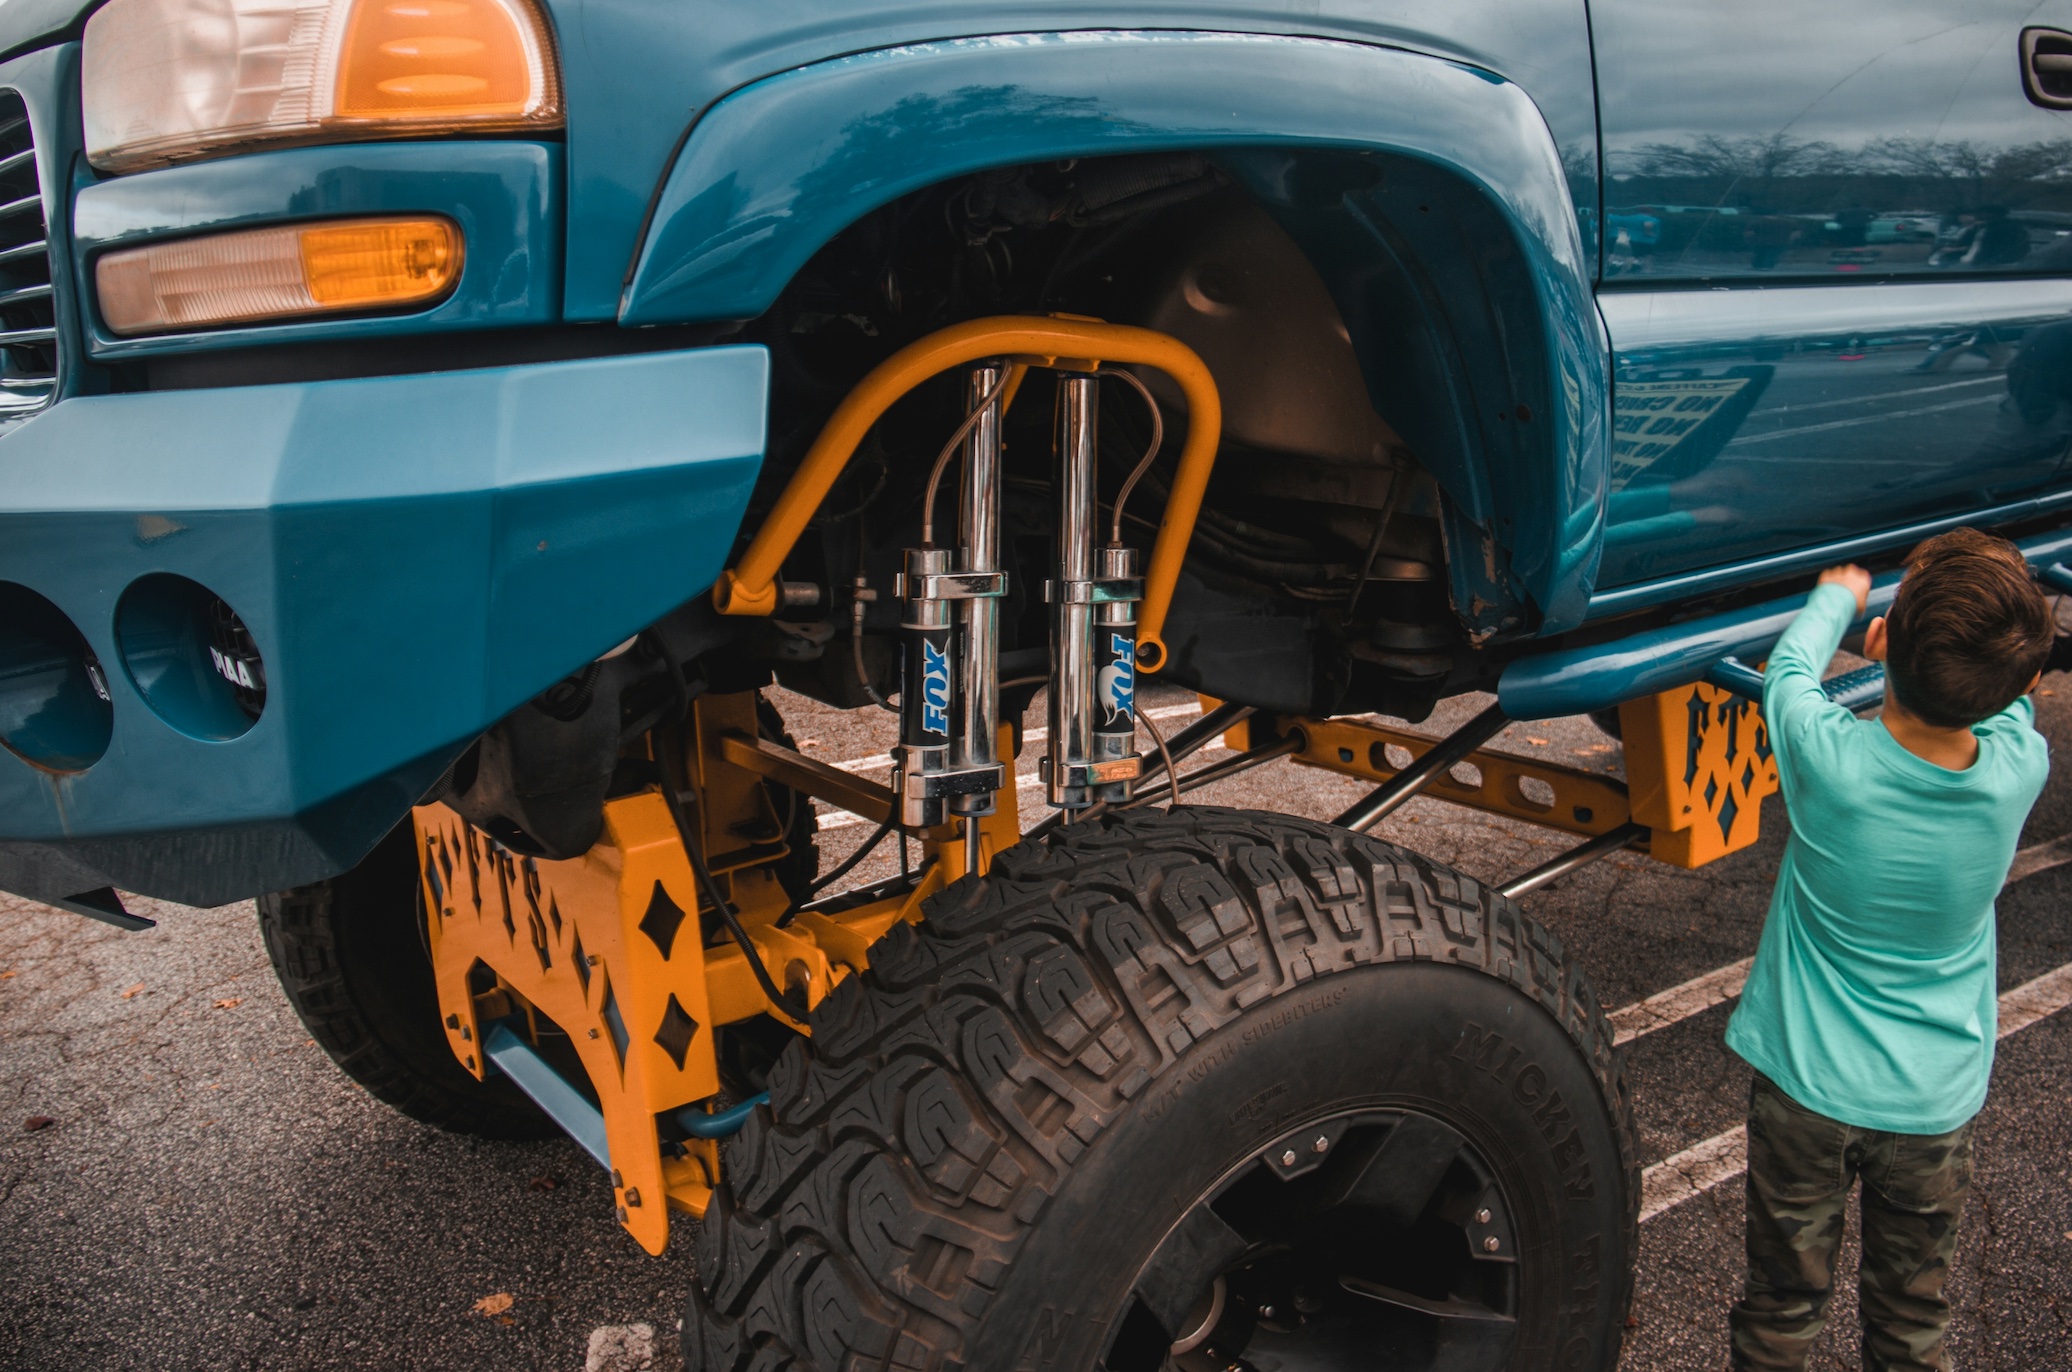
[(170, 80)]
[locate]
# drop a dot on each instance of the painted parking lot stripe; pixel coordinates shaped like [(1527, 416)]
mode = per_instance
[(1702, 1166), (1679, 1003), (2040, 857), (877, 761), (831, 818)]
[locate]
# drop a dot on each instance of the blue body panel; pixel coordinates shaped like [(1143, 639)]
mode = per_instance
[(414, 556), (776, 169), (1783, 429), (504, 195)]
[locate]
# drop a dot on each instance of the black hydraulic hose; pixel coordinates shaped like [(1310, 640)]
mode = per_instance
[(1242, 762), (1172, 773), (842, 869), (672, 789), (1122, 496), (782, 1000)]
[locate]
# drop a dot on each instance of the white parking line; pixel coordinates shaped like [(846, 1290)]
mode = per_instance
[(1702, 1166), (831, 818), (1665, 1008), (877, 761), (2040, 857)]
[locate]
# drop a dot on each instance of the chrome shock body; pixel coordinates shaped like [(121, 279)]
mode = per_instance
[(947, 759), (974, 751), (947, 763), (1093, 624)]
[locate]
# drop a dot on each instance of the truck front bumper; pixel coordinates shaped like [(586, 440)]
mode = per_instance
[(413, 557)]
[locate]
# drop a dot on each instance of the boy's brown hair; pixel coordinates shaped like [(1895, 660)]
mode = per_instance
[(1968, 630)]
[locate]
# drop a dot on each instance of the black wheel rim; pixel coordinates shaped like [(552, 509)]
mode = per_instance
[(1377, 1240)]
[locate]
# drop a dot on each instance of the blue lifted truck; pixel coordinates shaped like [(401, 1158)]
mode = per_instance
[(426, 426)]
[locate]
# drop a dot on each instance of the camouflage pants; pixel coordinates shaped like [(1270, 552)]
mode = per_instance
[(1801, 1168)]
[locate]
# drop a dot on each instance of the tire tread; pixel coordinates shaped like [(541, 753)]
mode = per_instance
[(951, 1088)]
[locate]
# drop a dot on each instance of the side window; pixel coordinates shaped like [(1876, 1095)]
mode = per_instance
[(1859, 139)]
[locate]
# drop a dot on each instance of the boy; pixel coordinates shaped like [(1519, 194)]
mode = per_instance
[(1870, 1013)]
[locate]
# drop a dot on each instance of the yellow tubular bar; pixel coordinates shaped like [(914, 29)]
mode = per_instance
[(1028, 341)]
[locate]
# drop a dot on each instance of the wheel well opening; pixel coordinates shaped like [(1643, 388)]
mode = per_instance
[(1316, 580)]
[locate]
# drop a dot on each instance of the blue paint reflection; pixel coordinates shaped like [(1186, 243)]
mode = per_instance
[(1749, 422)]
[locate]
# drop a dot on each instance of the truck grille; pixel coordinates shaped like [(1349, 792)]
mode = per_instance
[(28, 315)]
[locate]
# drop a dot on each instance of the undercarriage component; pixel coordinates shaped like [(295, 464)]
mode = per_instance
[(1698, 765), (615, 964), (1582, 855), (1386, 798), (612, 970), (946, 762), (751, 586), (1092, 729), (350, 955)]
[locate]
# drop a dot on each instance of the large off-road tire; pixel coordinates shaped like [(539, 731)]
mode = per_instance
[(1237, 1081), (350, 952)]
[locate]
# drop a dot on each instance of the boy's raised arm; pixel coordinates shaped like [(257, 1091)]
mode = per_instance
[(1794, 706)]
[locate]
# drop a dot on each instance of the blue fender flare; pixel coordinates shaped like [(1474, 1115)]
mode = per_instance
[(1463, 230)]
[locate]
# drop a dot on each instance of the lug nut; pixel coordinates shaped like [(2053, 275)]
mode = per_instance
[(1288, 1158), (1481, 1217), (1490, 1244), (1322, 1145)]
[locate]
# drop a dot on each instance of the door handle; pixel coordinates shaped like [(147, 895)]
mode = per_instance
[(2047, 67)]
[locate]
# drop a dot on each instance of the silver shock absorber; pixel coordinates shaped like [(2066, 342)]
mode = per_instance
[(950, 694), (1116, 594), (1086, 763), (927, 646), (974, 753)]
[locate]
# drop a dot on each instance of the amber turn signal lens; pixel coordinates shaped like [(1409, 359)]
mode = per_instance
[(292, 272), (443, 59)]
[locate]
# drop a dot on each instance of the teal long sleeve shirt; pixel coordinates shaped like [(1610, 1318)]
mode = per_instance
[(1872, 999)]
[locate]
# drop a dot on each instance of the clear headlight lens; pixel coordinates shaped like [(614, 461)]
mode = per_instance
[(295, 271), (170, 80)]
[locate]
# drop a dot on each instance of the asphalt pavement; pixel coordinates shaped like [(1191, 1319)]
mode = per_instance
[(187, 1182)]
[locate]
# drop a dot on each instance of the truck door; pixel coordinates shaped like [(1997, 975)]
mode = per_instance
[(1837, 275)]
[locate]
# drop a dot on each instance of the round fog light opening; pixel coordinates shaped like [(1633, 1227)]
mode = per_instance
[(54, 707), (191, 656)]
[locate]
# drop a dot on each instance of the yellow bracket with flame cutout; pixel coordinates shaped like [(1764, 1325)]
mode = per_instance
[(608, 949)]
